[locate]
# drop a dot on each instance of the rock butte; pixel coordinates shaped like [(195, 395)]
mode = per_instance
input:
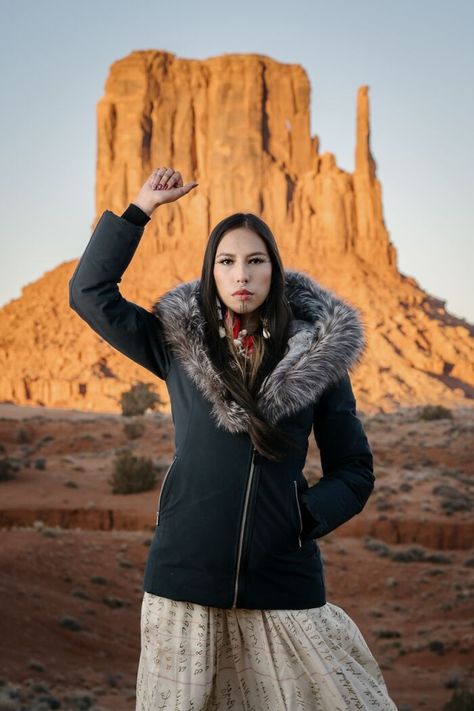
[(239, 124)]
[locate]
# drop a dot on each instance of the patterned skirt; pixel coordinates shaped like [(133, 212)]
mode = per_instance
[(211, 659)]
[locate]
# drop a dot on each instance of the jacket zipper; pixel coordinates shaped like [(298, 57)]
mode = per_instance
[(242, 527), (162, 487), (299, 514)]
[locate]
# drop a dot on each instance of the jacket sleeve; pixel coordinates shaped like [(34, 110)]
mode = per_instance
[(346, 462), (95, 296)]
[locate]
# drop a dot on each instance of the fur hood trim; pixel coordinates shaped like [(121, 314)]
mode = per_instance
[(327, 338)]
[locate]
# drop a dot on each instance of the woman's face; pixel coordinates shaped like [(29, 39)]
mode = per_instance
[(242, 262)]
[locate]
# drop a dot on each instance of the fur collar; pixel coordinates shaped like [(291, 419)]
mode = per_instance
[(327, 338)]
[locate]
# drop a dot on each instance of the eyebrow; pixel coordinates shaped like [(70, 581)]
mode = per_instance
[(227, 254)]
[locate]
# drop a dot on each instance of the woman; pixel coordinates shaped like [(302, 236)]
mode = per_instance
[(255, 358)]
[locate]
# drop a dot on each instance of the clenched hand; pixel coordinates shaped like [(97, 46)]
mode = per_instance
[(162, 186)]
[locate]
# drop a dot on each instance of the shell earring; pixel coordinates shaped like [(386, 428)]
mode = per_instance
[(222, 331), (265, 331)]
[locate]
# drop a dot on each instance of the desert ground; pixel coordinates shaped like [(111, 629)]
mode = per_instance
[(73, 555)]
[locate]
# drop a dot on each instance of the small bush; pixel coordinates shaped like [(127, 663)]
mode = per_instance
[(387, 634), (36, 665), (435, 412), (461, 700), (114, 602), (6, 469), (138, 399), (80, 701), (134, 429), (23, 436), (132, 474), (99, 580), (81, 594), (124, 563), (410, 555), (372, 544), (437, 646), (70, 623)]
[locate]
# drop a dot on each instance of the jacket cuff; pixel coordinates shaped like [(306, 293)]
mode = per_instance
[(136, 215)]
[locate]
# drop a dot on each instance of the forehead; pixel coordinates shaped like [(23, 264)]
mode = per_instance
[(241, 241)]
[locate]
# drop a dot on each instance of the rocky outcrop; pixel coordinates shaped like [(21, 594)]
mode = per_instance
[(438, 535), (239, 125)]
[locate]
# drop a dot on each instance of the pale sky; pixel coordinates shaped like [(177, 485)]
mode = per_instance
[(415, 56)]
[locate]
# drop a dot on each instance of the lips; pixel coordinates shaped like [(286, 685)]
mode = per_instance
[(241, 292)]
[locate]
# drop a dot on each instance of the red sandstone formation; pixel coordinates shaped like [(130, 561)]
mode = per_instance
[(238, 124)]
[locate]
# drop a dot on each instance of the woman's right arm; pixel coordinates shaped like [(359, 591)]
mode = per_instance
[(93, 289)]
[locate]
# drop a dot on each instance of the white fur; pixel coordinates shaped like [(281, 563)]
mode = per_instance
[(327, 339)]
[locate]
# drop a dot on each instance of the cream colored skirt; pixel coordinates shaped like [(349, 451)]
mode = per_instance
[(210, 659)]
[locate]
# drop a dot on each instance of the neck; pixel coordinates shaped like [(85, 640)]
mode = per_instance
[(249, 321)]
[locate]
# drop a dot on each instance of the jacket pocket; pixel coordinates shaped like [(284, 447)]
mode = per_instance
[(299, 517), (163, 484)]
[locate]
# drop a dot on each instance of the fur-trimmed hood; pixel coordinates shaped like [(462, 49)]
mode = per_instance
[(327, 338)]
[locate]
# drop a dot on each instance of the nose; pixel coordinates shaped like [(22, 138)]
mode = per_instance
[(241, 273)]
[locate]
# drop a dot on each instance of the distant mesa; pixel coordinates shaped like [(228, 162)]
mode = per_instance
[(239, 124)]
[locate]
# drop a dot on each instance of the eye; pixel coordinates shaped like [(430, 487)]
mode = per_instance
[(253, 259)]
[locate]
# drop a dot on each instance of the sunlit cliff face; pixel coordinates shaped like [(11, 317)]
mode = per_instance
[(242, 262)]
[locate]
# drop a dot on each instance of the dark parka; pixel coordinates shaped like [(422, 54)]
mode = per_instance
[(233, 528)]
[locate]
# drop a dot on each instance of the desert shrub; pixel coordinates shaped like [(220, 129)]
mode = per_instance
[(23, 436), (70, 623), (134, 429), (438, 558), (6, 469), (387, 634), (446, 490), (99, 580), (435, 412), (50, 532), (124, 563), (410, 555), (80, 701), (81, 594), (36, 665), (450, 505), (113, 679), (113, 602), (461, 700), (437, 646), (372, 544), (132, 474), (138, 399)]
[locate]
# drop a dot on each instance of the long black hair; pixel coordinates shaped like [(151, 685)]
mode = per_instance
[(265, 436)]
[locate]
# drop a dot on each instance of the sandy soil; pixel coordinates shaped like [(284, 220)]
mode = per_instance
[(73, 555)]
